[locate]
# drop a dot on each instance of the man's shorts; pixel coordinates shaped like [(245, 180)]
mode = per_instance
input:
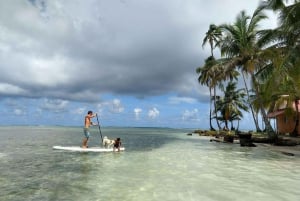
[(86, 132)]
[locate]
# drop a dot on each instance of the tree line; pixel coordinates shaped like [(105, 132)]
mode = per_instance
[(269, 58)]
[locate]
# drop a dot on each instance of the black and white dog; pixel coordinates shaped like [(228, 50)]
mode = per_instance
[(107, 143)]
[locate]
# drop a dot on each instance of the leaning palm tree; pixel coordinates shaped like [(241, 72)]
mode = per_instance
[(242, 49), (213, 74)]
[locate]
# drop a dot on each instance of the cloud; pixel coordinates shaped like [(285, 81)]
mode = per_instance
[(190, 115), (112, 106), (153, 113), (9, 89), (19, 112), (56, 105), (178, 100), (80, 49), (137, 112), (57, 54), (117, 106)]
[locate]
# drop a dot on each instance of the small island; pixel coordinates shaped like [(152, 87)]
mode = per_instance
[(266, 62)]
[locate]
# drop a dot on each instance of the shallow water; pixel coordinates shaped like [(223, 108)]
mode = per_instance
[(158, 164)]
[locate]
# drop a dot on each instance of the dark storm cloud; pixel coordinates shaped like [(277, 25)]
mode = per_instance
[(76, 50)]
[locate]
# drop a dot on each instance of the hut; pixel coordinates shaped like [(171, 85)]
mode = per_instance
[(285, 122)]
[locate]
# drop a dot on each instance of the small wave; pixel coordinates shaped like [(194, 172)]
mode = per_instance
[(2, 155)]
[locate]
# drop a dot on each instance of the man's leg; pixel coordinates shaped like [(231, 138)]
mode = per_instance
[(84, 142)]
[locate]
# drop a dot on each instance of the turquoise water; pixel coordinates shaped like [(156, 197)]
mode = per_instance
[(158, 164)]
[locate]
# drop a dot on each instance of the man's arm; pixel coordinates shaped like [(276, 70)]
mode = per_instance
[(94, 115)]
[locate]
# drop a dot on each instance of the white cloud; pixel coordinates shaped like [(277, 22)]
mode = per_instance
[(19, 112), (117, 107), (100, 108), (190, 115), (55, 105), (178, 100), (11, 89), (137, 112), (56, 67), (153, 113), (112, 106)]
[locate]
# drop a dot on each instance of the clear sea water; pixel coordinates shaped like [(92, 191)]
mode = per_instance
[(158, 164)]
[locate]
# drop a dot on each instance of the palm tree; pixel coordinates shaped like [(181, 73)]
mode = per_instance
[(207, 72), (283, 76), (213, 74), (242, 47), (231, 105), (270, 57), (206, 78), (212, 36), (287, 35), (280, 83), (290, 27)]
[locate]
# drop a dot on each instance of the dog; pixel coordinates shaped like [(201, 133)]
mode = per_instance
[(107, 143)]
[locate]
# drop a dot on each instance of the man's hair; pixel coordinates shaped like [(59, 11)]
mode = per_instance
[(90, 112)]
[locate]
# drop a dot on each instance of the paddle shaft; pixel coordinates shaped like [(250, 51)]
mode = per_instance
[(99, 128)]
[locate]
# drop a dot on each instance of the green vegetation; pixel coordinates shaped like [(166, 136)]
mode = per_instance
[(269, 57)]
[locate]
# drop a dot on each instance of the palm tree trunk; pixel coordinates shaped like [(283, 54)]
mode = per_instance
[(295, 131), (269, 129), (226, 125), (250, 105), (210, 106), (215, 105), (231, 125)]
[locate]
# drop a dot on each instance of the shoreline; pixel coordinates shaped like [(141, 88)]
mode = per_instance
[(286, 150), (288, 145)]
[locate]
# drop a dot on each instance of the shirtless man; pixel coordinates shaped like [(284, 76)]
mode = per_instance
[(86, 130)]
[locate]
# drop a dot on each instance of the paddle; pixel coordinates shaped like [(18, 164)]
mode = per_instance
[(99, 127)]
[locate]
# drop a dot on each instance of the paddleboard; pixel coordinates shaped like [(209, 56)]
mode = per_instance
[(90, 149)]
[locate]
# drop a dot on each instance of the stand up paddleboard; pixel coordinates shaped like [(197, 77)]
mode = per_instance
[(90, 149)]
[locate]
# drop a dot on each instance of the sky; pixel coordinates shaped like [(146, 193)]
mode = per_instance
[(131, 61)]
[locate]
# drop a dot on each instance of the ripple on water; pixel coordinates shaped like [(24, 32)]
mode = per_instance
[(164, 166)]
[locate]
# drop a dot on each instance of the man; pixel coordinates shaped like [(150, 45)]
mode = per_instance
[(86, 129)]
